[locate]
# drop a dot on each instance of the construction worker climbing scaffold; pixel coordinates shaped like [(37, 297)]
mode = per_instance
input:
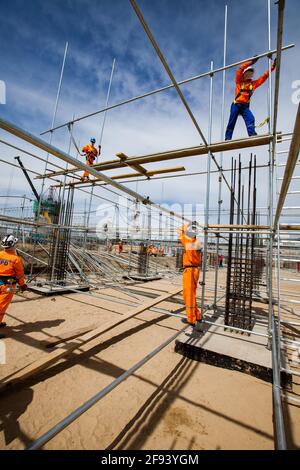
[(90, 153), (11, 273), (245, 87), (192, 259)]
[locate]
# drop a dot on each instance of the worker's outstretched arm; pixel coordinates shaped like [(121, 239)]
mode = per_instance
[(19, 270), (264, 77), (181, 233), (240, 72)]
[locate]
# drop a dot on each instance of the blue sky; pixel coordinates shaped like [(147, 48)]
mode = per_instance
[(190, 34)]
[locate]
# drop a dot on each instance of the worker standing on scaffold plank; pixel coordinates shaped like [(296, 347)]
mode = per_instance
[(192, 259), (11, 273), (244, 89), (91, 153)]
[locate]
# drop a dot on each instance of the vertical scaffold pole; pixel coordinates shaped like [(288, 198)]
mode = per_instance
[(107, 100), (54, 116), (269, 267), (221, 158), (149, 224), (207, 191), (100, 143)]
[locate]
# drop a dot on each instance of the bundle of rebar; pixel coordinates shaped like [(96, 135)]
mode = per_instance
[(60, 244), (143, 260), (244, 264)]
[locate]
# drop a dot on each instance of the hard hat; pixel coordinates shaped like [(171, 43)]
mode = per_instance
[(9, 241), (250, 68), (191, 233), (93, 140), (191, 230)]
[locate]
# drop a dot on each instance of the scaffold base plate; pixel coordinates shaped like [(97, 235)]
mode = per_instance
[(229, 349)]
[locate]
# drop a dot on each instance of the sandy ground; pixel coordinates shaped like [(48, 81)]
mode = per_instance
[(170, 403)]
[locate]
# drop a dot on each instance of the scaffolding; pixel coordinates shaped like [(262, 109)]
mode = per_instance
[(248, 241)]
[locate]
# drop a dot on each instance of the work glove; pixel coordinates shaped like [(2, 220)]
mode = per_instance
[(274, 65), (255, 60), (24, 287)]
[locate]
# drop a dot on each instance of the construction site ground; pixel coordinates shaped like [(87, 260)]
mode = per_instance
[(170, 403)]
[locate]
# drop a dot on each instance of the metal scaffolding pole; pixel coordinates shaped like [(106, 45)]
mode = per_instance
[(221, 157), (290, 167), (54, 115), (93, 400), (269, 264), (167, 68), (107, 100), (206, 221), (281, 6), (100, 142)]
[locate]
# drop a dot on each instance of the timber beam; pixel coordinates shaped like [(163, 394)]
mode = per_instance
[(223, 146)]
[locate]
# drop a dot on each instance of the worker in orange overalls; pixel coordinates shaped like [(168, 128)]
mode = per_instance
[(244, 89), (11, 273), (120, 247), (192, 259), (90, 153), (150, 250)]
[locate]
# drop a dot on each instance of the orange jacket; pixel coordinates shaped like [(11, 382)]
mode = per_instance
[(245, 88), (91, 153), (11, 265), (192, 255)]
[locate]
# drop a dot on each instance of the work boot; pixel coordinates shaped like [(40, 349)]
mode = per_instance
[(200, 325), (184, 320), (2, 324)]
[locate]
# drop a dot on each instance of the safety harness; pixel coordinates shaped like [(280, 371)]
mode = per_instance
[(245, 90), (4, 280), (266, 121), (90, 158)]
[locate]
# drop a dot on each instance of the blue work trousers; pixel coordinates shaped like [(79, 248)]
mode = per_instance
[(243, 110)]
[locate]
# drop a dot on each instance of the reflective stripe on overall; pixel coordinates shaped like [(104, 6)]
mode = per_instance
[(244, 90)]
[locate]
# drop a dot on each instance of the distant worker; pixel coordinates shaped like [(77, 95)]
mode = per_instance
[(192, 259), (244, 89), (150, 250), (90, 153), (11, 273), (120, 247), (221, 258), (155, 251)]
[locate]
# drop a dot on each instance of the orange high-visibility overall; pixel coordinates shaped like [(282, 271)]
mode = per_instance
[(245, 88), (191, 263), (11, 272), (91, 153)]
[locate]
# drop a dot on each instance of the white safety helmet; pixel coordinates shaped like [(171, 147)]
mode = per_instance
[(9, 241), (191, 230), (249, 69)]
